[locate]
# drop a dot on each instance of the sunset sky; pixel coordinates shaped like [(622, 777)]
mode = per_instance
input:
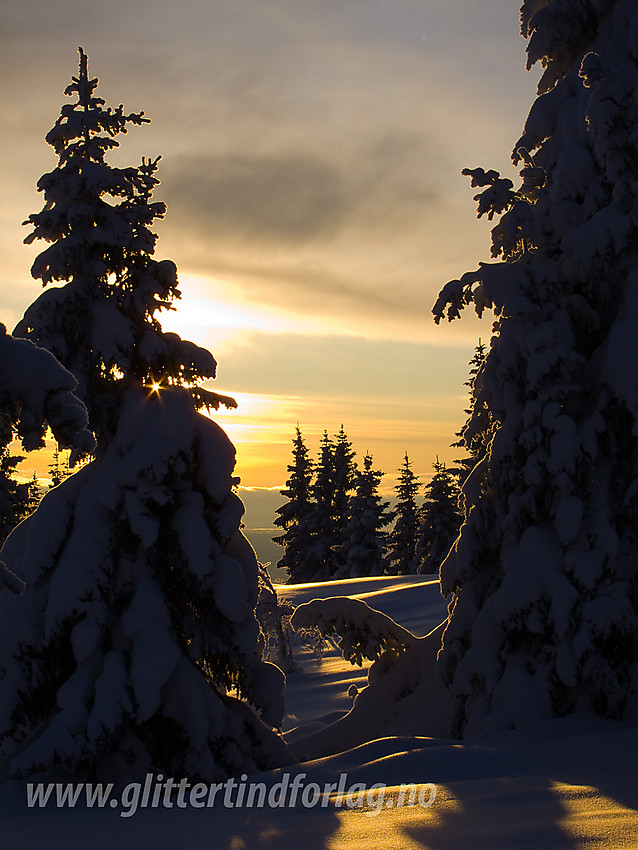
[(311, 158)]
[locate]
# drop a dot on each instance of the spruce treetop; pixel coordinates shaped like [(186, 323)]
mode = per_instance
[(91, 236), (404, 535), (102, 323)]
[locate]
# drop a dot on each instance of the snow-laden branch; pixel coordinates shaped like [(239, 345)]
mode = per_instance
[(363, 631)]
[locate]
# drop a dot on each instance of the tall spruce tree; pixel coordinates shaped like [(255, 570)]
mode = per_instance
[(102, 323), (402, 551), (343, 482), (544, 577), (476, 433), (317, 548), (315, 560), (13, 495), (292, 516), (135, 646), (363, 550), (440, 518)]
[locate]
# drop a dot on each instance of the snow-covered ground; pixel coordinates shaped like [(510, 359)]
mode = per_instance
[(318, 692), (569, 783)]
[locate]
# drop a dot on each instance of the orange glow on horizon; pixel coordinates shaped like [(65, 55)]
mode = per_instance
[(262, 429)]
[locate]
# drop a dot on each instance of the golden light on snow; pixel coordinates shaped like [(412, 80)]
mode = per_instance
[(396, 827), (590, 814)]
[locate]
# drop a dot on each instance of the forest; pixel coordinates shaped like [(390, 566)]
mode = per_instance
[(139, 633)]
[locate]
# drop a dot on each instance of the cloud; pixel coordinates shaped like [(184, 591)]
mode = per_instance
[(343, 367), (349, 230), (311, 151), (257, 200), (292, 196)]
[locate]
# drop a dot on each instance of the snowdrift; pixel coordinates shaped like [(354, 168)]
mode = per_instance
[(565, 783)]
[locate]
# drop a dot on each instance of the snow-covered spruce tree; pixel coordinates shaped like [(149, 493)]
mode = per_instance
[(291, 516), (321, 534), (34, 493), (59, 468), (14, 494), (543, 578), (102, 324), (363, 550), (344, 477), (402, 554), (476, 433), (135, 646), (315, 560), (440, 518), (36, 392)]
